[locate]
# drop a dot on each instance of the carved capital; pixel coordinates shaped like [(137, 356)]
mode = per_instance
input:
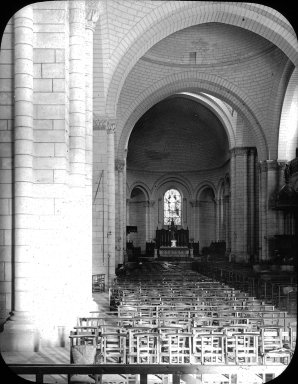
[(262, 166), (104, 124), (110, 127), (94, 8), (192, 203), (99, 124), (240, 151), (272, 165), (119, 165), (151, 203)]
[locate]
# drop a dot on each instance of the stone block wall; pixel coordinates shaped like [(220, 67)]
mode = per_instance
[(6, 169), (53, 201)]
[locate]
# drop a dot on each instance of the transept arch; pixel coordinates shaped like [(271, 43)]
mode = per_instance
[(196, 81), (148, 32)]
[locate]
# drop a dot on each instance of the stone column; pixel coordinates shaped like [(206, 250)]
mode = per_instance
[(147, 221), (127, 217), (151, 220), (273, 215), (239, 190), (251, 202), (280, 183), (219, 218), (119, 167), (192, 204), (80, 151), (233, 201), (110, 128), (227, 215), (125, 220), (19, 334), (262, 173), (92, 13)]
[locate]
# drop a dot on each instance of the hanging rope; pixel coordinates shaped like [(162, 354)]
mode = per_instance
[(98, 187)]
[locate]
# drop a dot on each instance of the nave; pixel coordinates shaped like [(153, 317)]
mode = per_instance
[(167, 314)]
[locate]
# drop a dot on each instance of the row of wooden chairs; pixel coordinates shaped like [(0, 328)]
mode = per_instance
[(227, 345), (179, 317)]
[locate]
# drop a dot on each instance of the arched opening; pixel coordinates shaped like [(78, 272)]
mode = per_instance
[(174, 148), (207, 217), (137, 215)]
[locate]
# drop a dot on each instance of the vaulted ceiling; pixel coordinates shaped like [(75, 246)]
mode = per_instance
[(177, 134)]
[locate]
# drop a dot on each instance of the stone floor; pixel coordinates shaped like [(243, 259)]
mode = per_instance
[(60, 355)]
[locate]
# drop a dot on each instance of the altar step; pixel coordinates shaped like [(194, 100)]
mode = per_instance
[(176, 259)]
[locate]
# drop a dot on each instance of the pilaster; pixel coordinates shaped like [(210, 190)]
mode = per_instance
[(119, 167), (110, 130), (20, 333)]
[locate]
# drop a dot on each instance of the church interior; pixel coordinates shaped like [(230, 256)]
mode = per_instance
[(148, 192)]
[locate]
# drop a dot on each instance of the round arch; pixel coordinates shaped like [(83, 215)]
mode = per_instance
[(148, 32), (220, 188), (202, 186), (142, 186), (194, 82), (177, 179)]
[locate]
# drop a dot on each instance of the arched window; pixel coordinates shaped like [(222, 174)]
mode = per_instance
[(172, 207)]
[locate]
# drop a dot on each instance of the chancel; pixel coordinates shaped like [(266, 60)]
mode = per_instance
[(148, 191)]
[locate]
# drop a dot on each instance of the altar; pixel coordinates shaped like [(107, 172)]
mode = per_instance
[(174, 251)]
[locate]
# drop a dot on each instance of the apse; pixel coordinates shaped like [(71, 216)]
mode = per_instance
[(177, 135)]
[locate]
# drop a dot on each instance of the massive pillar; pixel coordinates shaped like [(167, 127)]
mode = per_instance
[(242, 203), (270, 219), (110, 128), (80, 152), (125, 218), (262, 168), (252, 233), (19, 334), (233, 201)]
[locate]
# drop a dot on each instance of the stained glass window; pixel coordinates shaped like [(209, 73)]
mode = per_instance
[(172, 207)]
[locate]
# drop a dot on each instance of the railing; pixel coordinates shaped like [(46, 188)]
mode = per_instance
[(176, 370)]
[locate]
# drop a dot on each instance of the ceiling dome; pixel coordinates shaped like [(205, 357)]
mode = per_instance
[(177, 134), (209, 44)]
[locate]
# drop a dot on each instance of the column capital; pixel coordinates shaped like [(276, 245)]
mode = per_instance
[(119, 165), (110, 127), (241, 151), (271, 165), (104, 124), (94, 8), (151, 203)]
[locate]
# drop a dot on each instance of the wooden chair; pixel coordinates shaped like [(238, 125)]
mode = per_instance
[(112, 348), (132, 341), (83, 349), (292, 334), (271, 345), (246, 348), (208, 349), (176, 348), (147, 348)]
